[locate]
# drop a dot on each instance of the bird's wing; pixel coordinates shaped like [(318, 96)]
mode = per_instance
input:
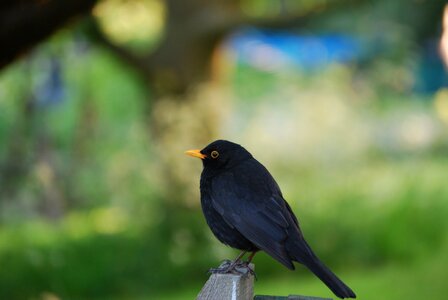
[(252, 206)]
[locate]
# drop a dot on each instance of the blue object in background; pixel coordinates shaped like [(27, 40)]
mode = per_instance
[(51, 90), (269, 50), (431, 71), (273, 51)]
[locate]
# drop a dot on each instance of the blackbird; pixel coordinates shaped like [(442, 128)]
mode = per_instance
[(245, 209)]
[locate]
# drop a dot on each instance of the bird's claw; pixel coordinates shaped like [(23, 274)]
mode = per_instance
[(233, 267), (224, 267), (245, 268)]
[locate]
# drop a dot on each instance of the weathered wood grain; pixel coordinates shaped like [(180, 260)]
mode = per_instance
[(228, 287)]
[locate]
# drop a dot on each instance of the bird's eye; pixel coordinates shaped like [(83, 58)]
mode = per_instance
[(214, 154)]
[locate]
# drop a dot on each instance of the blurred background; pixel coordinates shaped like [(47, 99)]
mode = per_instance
[(345, 102)]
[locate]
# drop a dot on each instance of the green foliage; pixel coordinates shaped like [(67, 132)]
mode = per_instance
[(95, 254)]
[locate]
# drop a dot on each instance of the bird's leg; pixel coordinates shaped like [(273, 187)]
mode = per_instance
[(243, 267), (237, 259), (246, 264), (251, 256), (228, 266), (236, 266)]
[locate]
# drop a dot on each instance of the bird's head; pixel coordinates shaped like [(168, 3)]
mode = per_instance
[(220, 154)]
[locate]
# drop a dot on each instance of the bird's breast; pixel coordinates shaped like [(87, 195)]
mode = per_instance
[(224, 232)]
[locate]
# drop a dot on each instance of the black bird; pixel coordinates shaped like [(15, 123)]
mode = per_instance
[(245, 209)]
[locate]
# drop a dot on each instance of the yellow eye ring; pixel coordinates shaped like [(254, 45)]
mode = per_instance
[(214, 154)]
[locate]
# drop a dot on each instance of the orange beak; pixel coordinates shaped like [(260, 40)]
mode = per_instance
[(195, 153)]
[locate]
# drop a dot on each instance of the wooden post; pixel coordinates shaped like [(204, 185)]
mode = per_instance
[(228, 287)]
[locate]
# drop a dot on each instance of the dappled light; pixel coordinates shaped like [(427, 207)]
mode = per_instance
[(135, 23)]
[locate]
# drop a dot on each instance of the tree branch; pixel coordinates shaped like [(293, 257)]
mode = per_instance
[(25, 23)]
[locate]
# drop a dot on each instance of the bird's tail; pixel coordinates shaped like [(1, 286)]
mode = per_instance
[(339, 288), (313, 263)]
